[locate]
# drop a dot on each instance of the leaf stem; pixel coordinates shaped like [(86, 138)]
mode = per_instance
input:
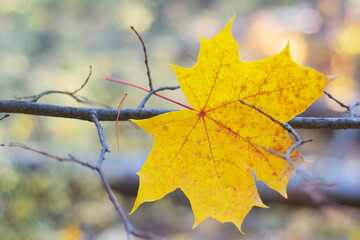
[(147, 90)]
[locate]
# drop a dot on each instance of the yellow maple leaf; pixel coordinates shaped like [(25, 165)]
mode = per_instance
[(210, 152)]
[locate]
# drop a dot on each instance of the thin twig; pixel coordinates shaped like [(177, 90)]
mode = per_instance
[(146, 235), (147, 97), (5, 116), (104, 145), (287, 156), (153, 91), (130, 229), (60, 159), (166, 88), (351, 109), (78, 98), (290, 130), (112, 196), (35, 98), (308, 178), (113, 199), (146, 58), (86, 81), (337, 101)]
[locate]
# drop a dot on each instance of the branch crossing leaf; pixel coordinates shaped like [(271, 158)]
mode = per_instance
[(211, 152)]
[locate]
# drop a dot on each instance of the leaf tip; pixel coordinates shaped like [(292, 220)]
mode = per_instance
[(258, 202), (230, 22), (176, 68), (132, 211), (286, 50), (242, 232), (261, 204), (283, 193), (238, 225), (136, 205), (196, 223), (232, 18)]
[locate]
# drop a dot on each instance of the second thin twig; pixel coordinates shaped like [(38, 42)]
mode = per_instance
[(146, 58)]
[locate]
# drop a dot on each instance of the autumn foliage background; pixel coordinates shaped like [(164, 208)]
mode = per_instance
[(50, 44)]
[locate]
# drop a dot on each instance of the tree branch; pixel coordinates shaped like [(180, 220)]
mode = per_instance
[(154, 91), (146, 58), (78, 98), (130, 229), (310, 182), (5, 116), (350, 109), (25, 107), (11, 106)]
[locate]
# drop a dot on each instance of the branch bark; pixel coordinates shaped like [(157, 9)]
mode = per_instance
[(25, 107)]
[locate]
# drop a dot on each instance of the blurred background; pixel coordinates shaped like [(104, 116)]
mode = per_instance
[(50, 44)]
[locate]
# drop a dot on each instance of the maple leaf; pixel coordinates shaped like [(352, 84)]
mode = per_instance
[(211, 152)]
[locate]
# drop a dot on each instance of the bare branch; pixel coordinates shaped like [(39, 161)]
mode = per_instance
[(270, 117), (152, 90), (104, 145), (130, 229), (350, 109), (35, 98), (147, 97), (86, 81), (78, 98), (5, 116), (288, 128), (60, 159), (40, 109), (167, 88), (337, 101), (325, 123), (115, 202), (25, 107), (146, 58), (311, 182)]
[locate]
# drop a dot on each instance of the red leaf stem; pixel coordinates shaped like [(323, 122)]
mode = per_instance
[(147, 90)]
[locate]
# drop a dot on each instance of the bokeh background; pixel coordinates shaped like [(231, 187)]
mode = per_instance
[(50, 44)]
